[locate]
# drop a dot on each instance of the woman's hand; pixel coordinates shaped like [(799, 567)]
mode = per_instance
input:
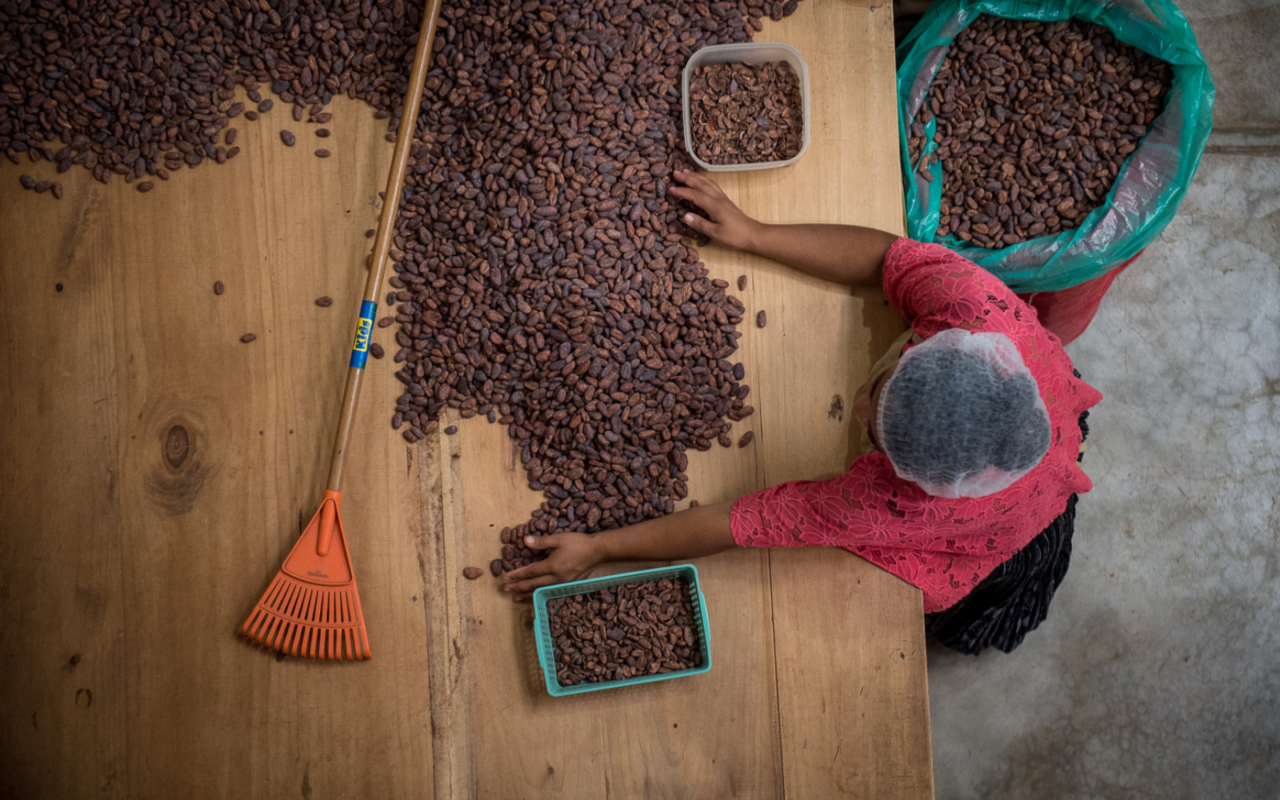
[(572, 557), (724, 222)]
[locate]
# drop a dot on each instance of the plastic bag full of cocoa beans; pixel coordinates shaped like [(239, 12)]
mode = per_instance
[(1049, 142)]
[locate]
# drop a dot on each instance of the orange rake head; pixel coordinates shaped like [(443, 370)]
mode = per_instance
[(312, 607)]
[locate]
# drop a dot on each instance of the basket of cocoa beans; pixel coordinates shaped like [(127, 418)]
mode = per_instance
[(746, 106), (1049, 142), (622, 630)]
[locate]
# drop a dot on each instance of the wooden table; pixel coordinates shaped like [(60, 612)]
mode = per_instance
[(155, 471)]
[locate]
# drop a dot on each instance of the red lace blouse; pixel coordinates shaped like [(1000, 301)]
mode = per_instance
[(945, 547)]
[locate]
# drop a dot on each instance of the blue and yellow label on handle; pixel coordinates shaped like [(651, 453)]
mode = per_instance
[(364, 329)]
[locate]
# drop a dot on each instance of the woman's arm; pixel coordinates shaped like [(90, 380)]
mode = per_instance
[(696, 532), (846, 254)]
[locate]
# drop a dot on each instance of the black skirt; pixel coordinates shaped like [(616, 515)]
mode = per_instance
[(1014, 599)]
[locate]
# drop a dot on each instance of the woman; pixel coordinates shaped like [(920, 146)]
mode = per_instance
[(976, 416)]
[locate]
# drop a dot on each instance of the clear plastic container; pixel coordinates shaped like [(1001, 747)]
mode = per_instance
[(747, 53)]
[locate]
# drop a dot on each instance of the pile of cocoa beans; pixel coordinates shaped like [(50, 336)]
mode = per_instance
[(624, 631), (1034, 122)]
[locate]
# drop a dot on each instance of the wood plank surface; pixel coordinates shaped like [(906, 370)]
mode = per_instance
[(156, 471), (139, 560), (818, 687)]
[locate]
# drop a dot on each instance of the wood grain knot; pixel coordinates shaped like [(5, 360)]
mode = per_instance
[(176, 446), (175, 481)]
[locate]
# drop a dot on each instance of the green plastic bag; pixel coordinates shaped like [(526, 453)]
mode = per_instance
[(1150, 186)]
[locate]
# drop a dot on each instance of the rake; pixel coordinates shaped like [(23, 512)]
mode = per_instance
[(312, 608)]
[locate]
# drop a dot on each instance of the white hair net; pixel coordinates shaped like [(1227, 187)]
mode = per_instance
[(962, 416)]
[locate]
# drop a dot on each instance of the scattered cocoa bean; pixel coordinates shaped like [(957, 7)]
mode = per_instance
[(288, 138), (471, 573), (324, 302), (547, 280), (218, 287), (248, 337)]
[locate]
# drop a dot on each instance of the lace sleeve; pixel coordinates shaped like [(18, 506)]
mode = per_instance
[(936, 290), (867, 506)]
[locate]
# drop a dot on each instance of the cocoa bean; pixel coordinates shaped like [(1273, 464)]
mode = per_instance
[(624, 631), (745, 113), (1019, 166)]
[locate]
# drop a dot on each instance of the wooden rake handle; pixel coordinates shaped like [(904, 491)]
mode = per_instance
[(382, 244)]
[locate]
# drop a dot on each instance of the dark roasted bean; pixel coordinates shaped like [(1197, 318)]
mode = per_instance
[(322, 154), (324, 302), (248, 337), (218, 287), (288, 138)]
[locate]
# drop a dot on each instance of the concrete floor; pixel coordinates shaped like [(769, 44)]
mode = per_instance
[(1157, 673)]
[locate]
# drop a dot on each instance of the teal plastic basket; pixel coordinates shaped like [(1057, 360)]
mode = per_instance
[(547, 649)]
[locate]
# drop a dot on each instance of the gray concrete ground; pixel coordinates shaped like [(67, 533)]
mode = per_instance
[(1157, 673)]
